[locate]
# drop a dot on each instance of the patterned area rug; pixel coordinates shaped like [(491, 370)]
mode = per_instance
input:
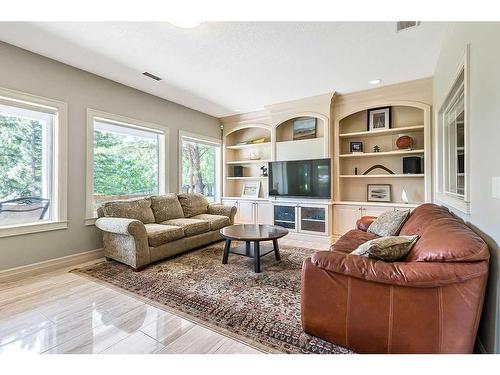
[(261, 310)]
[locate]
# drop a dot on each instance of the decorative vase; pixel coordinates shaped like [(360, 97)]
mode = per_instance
[(404, 142)]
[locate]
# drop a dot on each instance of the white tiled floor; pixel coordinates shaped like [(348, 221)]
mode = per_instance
[(61, 312)]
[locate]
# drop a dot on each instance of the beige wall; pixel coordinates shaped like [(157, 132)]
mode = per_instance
[(31, 73), (484, 118)]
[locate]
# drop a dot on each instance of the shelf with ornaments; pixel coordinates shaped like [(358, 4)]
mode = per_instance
[(385, 146)]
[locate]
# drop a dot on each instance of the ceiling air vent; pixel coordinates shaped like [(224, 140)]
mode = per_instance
[(156, 78), (403, 25)]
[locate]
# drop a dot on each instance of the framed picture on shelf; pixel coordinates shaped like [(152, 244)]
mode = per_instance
[(379, 118), (304, 128), (379, 193), (356, 147), (250, 190)]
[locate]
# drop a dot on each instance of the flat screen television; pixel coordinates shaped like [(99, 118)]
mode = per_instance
[(300, 178)]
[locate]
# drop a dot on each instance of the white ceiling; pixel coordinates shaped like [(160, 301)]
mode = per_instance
[(220, 67)]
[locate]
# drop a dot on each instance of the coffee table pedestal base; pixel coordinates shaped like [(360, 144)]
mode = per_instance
[(252, 250)]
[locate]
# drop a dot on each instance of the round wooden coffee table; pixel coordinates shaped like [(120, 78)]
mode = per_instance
[(252, 235)]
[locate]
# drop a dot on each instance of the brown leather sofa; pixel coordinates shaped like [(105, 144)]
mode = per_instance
[(429, 303)]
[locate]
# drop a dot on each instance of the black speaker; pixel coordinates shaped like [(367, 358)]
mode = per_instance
[(238, 171), (412, 165)]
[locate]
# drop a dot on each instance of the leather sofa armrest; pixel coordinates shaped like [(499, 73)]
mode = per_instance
[(411, 274), (117, 225), (365, 222), (222, 209)]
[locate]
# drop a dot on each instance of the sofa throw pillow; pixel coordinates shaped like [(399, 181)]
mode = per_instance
[(389, 249), (389, 223), (166, 207), (139, 209), (193, 204)]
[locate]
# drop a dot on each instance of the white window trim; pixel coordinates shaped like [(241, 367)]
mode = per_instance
[(441, 195), (163, 131), (60, 159), (218, 162)]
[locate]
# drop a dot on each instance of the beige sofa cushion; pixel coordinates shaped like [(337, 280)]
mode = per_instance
[(191, 227), (159, 234), (166, 207), (215, 221), (388, 249), (389, 223), (193, 204), (138, 209)]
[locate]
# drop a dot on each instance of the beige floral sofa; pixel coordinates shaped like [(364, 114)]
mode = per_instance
[(142, 231)]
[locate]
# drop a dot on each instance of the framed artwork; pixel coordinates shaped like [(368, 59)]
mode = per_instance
[(379, 119), (304, 128), (356, 146), (379, 193), (250, 190)]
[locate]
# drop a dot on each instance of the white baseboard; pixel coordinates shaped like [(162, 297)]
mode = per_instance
[(34, 269)]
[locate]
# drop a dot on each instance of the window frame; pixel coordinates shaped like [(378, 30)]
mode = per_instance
[(163, 136), (211, 141), (59, 193), (457, 201)]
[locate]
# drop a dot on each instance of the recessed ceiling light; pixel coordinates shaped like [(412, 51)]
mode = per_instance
[(186, 23), (375, 81), (237, 110)]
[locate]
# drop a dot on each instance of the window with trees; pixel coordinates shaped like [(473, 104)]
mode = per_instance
[(200, 165), (32, 182), (127, 160)]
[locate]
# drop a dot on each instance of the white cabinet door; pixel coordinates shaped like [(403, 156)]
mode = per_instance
[(264, 213), (375, 210), (246, 212), (344, 218)]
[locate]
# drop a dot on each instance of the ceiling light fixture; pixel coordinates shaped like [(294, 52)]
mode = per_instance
[(375, 81), (237, 110), (186, 23)]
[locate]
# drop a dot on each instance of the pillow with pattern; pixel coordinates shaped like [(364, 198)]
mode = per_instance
[(389, 223), (389, 249)]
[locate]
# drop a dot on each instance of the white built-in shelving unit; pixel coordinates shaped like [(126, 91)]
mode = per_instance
[(306, 218)]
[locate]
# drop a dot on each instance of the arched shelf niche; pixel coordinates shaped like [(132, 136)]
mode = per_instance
[(407, 118), (248, 147), (303, 136)]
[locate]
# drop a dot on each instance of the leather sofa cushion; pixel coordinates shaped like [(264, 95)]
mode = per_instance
[(159, 234), (166, 207), (352, 240), (138, 209), (193, 204), (215, 221), (443, 237), (191, 227)]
